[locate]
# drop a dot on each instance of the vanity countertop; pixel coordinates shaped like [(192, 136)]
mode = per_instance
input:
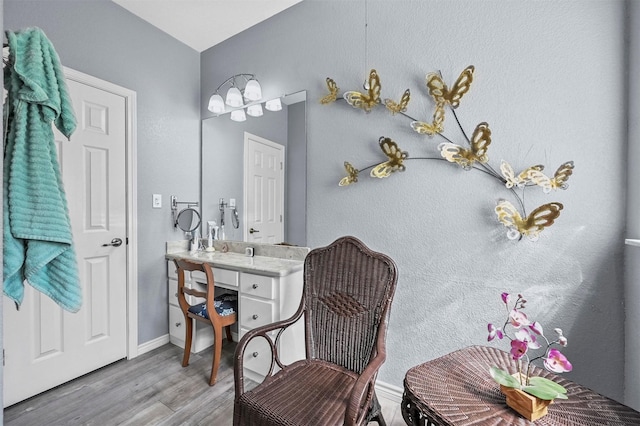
[(270, 266)]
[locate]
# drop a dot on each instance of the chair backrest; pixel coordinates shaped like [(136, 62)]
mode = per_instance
[(348, 290), (187, 265)]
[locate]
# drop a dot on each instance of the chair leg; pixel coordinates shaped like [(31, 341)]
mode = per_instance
[(187, 341), (217, 352), (375, 412), (229, 337)]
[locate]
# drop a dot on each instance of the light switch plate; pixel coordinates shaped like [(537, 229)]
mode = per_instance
[(232, 202), (157, 201)]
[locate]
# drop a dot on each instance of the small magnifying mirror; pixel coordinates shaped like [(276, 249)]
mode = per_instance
[(188, 219)]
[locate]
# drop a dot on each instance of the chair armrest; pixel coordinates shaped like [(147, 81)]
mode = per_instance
[(263, 332), (362, 391)]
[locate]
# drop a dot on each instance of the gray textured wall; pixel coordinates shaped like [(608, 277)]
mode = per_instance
[(550, 81), (100, 38)]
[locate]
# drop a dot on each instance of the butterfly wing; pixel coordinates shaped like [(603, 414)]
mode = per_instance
[(508, 215), (395, 160), (456, 154), (368, 100), (523, 176), (436, 126), (540, 218), (480, 141), (352, 175), (561, 175), (540, 179), (398, 107), (333, 92), (510, 177)]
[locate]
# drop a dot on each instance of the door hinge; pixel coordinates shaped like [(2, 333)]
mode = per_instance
[(127, 241), (3, 359), (281, 165)]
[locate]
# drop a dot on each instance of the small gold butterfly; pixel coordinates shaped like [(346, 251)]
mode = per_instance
[(531, 226), (480, 142), (436, 126), (441, 93), (352, 175), (521, 179), (395, 157), (558, 181), (369, 100), (333, 92), (398, 107)]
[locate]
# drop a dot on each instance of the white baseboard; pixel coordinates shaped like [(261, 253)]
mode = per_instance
[(389, 392), (153, 344)]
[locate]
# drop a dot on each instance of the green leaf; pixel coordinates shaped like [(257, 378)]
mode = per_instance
[(504, 378), (545, 389), (540, 380)]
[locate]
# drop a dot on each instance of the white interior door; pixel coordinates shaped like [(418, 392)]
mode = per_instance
[(263, 190), (44, 345)]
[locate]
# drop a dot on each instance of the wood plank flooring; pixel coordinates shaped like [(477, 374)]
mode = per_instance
[(152, 389)]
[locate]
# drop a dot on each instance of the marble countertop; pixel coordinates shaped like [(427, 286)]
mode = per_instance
[(270, 266)]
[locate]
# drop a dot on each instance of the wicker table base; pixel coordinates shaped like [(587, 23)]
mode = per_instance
[(456, 389)]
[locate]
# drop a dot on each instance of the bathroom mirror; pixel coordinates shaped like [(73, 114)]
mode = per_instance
[(223, 158), (188, 219)]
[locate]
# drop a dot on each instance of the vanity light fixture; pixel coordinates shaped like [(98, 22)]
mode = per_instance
[(273, 105), (254, 110), (238, 115)]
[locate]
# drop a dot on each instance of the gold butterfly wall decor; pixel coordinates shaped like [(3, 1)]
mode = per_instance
[(436, 125), (352, 175), (558, 181), (395, 160), (519, 180), (466, 158), (442, 94), (333, 92), (368, 100), (400, 106), (531, 226)]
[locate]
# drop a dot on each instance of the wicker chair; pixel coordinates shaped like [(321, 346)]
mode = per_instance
[(217, 311), (345, 304)]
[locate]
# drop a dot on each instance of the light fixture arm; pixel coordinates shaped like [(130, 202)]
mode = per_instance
[(232, 79)]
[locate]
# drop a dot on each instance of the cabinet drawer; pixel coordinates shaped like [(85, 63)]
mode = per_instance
[(176, 326), (257, 356), (258, 285), (254, 313), (222, 277), (173, 292), (172, 271)]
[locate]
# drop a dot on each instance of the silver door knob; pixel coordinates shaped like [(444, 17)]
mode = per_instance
[(252, 231), (116, 242)]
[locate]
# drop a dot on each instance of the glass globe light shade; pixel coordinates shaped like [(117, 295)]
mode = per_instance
[(238, 115), (234, 97), (254, 110), (253, 91), (273, 105), (216, 104)]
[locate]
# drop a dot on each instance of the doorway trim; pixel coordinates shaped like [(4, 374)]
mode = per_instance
[(131, 188)]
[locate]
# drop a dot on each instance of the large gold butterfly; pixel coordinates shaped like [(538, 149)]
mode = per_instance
[(436, 125), (398, 107), (558, 181), (333, 92), (442, 94), (368, 100), (395, 160), (352, 175), (521, 179), (531, 226), (480, 142)]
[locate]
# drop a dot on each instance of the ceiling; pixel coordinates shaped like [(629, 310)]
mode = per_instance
[(201, 24)]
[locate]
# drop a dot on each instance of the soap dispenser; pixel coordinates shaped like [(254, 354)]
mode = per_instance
[(212, 235)]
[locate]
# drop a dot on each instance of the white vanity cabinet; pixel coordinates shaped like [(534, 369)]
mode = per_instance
[(264, 296)]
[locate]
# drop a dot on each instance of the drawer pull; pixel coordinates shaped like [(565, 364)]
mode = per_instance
[(255, 354), (176, 294), (255, 286), (255, 316), (178, 324)]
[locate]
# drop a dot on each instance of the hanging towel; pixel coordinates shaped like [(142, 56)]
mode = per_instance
[(38, 244)]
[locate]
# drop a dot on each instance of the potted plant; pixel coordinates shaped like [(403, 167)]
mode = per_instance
[(529, 395)]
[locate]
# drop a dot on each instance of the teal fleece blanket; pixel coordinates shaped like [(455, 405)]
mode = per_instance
[(38, 243)]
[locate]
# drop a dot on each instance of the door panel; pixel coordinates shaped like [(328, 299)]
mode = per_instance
[(46, 346)]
